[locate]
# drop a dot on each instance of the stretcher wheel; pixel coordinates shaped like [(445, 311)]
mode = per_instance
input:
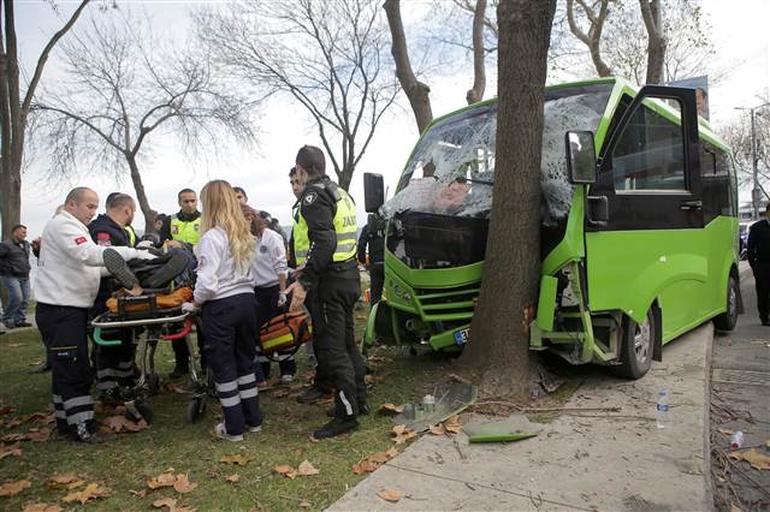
[(196, 408)]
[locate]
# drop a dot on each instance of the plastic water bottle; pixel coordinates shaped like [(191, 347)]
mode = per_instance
[(736, 440), (429, 404), (662, 409)]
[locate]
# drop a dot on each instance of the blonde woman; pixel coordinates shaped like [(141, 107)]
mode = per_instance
[(224, 291)]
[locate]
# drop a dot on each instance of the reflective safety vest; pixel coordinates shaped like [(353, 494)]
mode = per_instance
[(131, 236), (345, 225), (300, 238), (186, 231)]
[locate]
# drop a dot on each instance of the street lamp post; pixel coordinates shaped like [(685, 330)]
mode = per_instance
[(756, 191)]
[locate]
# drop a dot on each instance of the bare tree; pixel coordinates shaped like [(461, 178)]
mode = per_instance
[(476, 93), (595, 14), (328, 55), (737, 133), (656, 40), (14, 109), (499, 349), (117, 93), (417, 92)]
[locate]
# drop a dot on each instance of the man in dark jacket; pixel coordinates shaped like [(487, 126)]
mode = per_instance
[(758, 254), (373, 238), (14, 275)]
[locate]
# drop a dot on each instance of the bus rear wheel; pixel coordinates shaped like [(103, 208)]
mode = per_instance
[(636, 346), (727, 320)]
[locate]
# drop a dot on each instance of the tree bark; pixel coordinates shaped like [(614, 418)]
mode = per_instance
[(656, 41), (141, 195), (499, 349), (476, 93), (594, 37), (14, 110), (417, 92)]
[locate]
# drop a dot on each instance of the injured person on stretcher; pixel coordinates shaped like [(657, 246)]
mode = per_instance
[(169, 277)]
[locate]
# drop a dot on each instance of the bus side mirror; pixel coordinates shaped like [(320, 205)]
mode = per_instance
[(374, 192), (581, 157)]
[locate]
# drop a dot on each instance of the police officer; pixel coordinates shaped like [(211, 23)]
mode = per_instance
[(373, 238), (758, 254), (114, 363), (327, 217), (65, 288), (183, 227)]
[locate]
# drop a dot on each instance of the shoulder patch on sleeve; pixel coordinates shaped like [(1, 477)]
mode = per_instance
[(310, 198), (80, 240)]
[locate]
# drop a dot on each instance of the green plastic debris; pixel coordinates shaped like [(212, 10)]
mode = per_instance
[(500, 438)]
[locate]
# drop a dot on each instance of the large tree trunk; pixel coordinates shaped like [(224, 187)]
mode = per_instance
[(476, 93), (417, 92), (499, 347), (656, 41), (141, 195)]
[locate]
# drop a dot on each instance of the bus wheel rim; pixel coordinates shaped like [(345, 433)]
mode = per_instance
[(642, 341), (733, 303)]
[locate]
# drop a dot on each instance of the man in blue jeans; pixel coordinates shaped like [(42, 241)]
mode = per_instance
[(14, 275)]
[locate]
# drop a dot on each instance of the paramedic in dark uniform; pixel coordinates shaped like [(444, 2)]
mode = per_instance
[(183, 227), (758, 254), (114, 364), (327, 217), (67, 282), (373, 238)]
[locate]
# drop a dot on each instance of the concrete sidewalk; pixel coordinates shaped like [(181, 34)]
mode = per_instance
[(582, 461)]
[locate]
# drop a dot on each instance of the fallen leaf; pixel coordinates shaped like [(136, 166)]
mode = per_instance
[(305, 504), (138, 494), (64, 480), (162, 480), (371, 378), (13, 437), (365, 466), (183, 484), (14, 487), (10, 450), (438, 430), (453, 425), (233, 478), (390, 495), (307, 469), (41, 507), (389, 409), (240, 460), (123, 424), (373, 461), (286, 470), (39, 436), (91, 492), (165, 502), (757, 459), (402, 434)]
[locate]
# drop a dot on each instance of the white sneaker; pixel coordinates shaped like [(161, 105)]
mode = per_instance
[(287, 379), (254, 429), (221, 433)]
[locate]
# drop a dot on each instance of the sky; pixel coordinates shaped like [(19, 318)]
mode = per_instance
[(741, 60)]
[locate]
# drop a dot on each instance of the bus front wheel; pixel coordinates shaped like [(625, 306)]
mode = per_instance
[(636, 347), (727, 320)]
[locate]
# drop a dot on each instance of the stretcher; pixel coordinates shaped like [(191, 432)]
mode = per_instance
[(149, 323)]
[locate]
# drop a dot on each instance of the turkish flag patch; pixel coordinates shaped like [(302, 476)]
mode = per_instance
[(80, 240)]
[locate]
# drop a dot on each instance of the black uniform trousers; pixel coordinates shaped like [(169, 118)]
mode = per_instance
[(114, 363), (230, 326), (762, 283), (377, 277), (65, 329), (334, 339), (267, 308)]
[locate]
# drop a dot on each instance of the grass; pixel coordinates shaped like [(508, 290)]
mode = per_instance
[(127, 461)]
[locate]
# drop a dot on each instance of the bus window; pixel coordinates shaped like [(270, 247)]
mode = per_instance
[(649, 155)]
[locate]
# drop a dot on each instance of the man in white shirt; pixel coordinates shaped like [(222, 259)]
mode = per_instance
[(67, 281), (270, 271)]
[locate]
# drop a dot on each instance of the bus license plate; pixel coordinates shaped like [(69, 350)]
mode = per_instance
[(461, 336)]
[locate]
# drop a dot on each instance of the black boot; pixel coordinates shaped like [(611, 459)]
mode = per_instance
[(311, 395), (363, 410), (85, 433), (336, 427)]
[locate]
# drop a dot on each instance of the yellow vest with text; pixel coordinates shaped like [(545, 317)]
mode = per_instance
[(300, 239), (345, 226), (186, 231)]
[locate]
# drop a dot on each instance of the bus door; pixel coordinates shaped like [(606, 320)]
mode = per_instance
[(649, 244)]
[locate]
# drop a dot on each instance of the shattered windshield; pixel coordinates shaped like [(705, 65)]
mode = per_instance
[(452, 169)]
